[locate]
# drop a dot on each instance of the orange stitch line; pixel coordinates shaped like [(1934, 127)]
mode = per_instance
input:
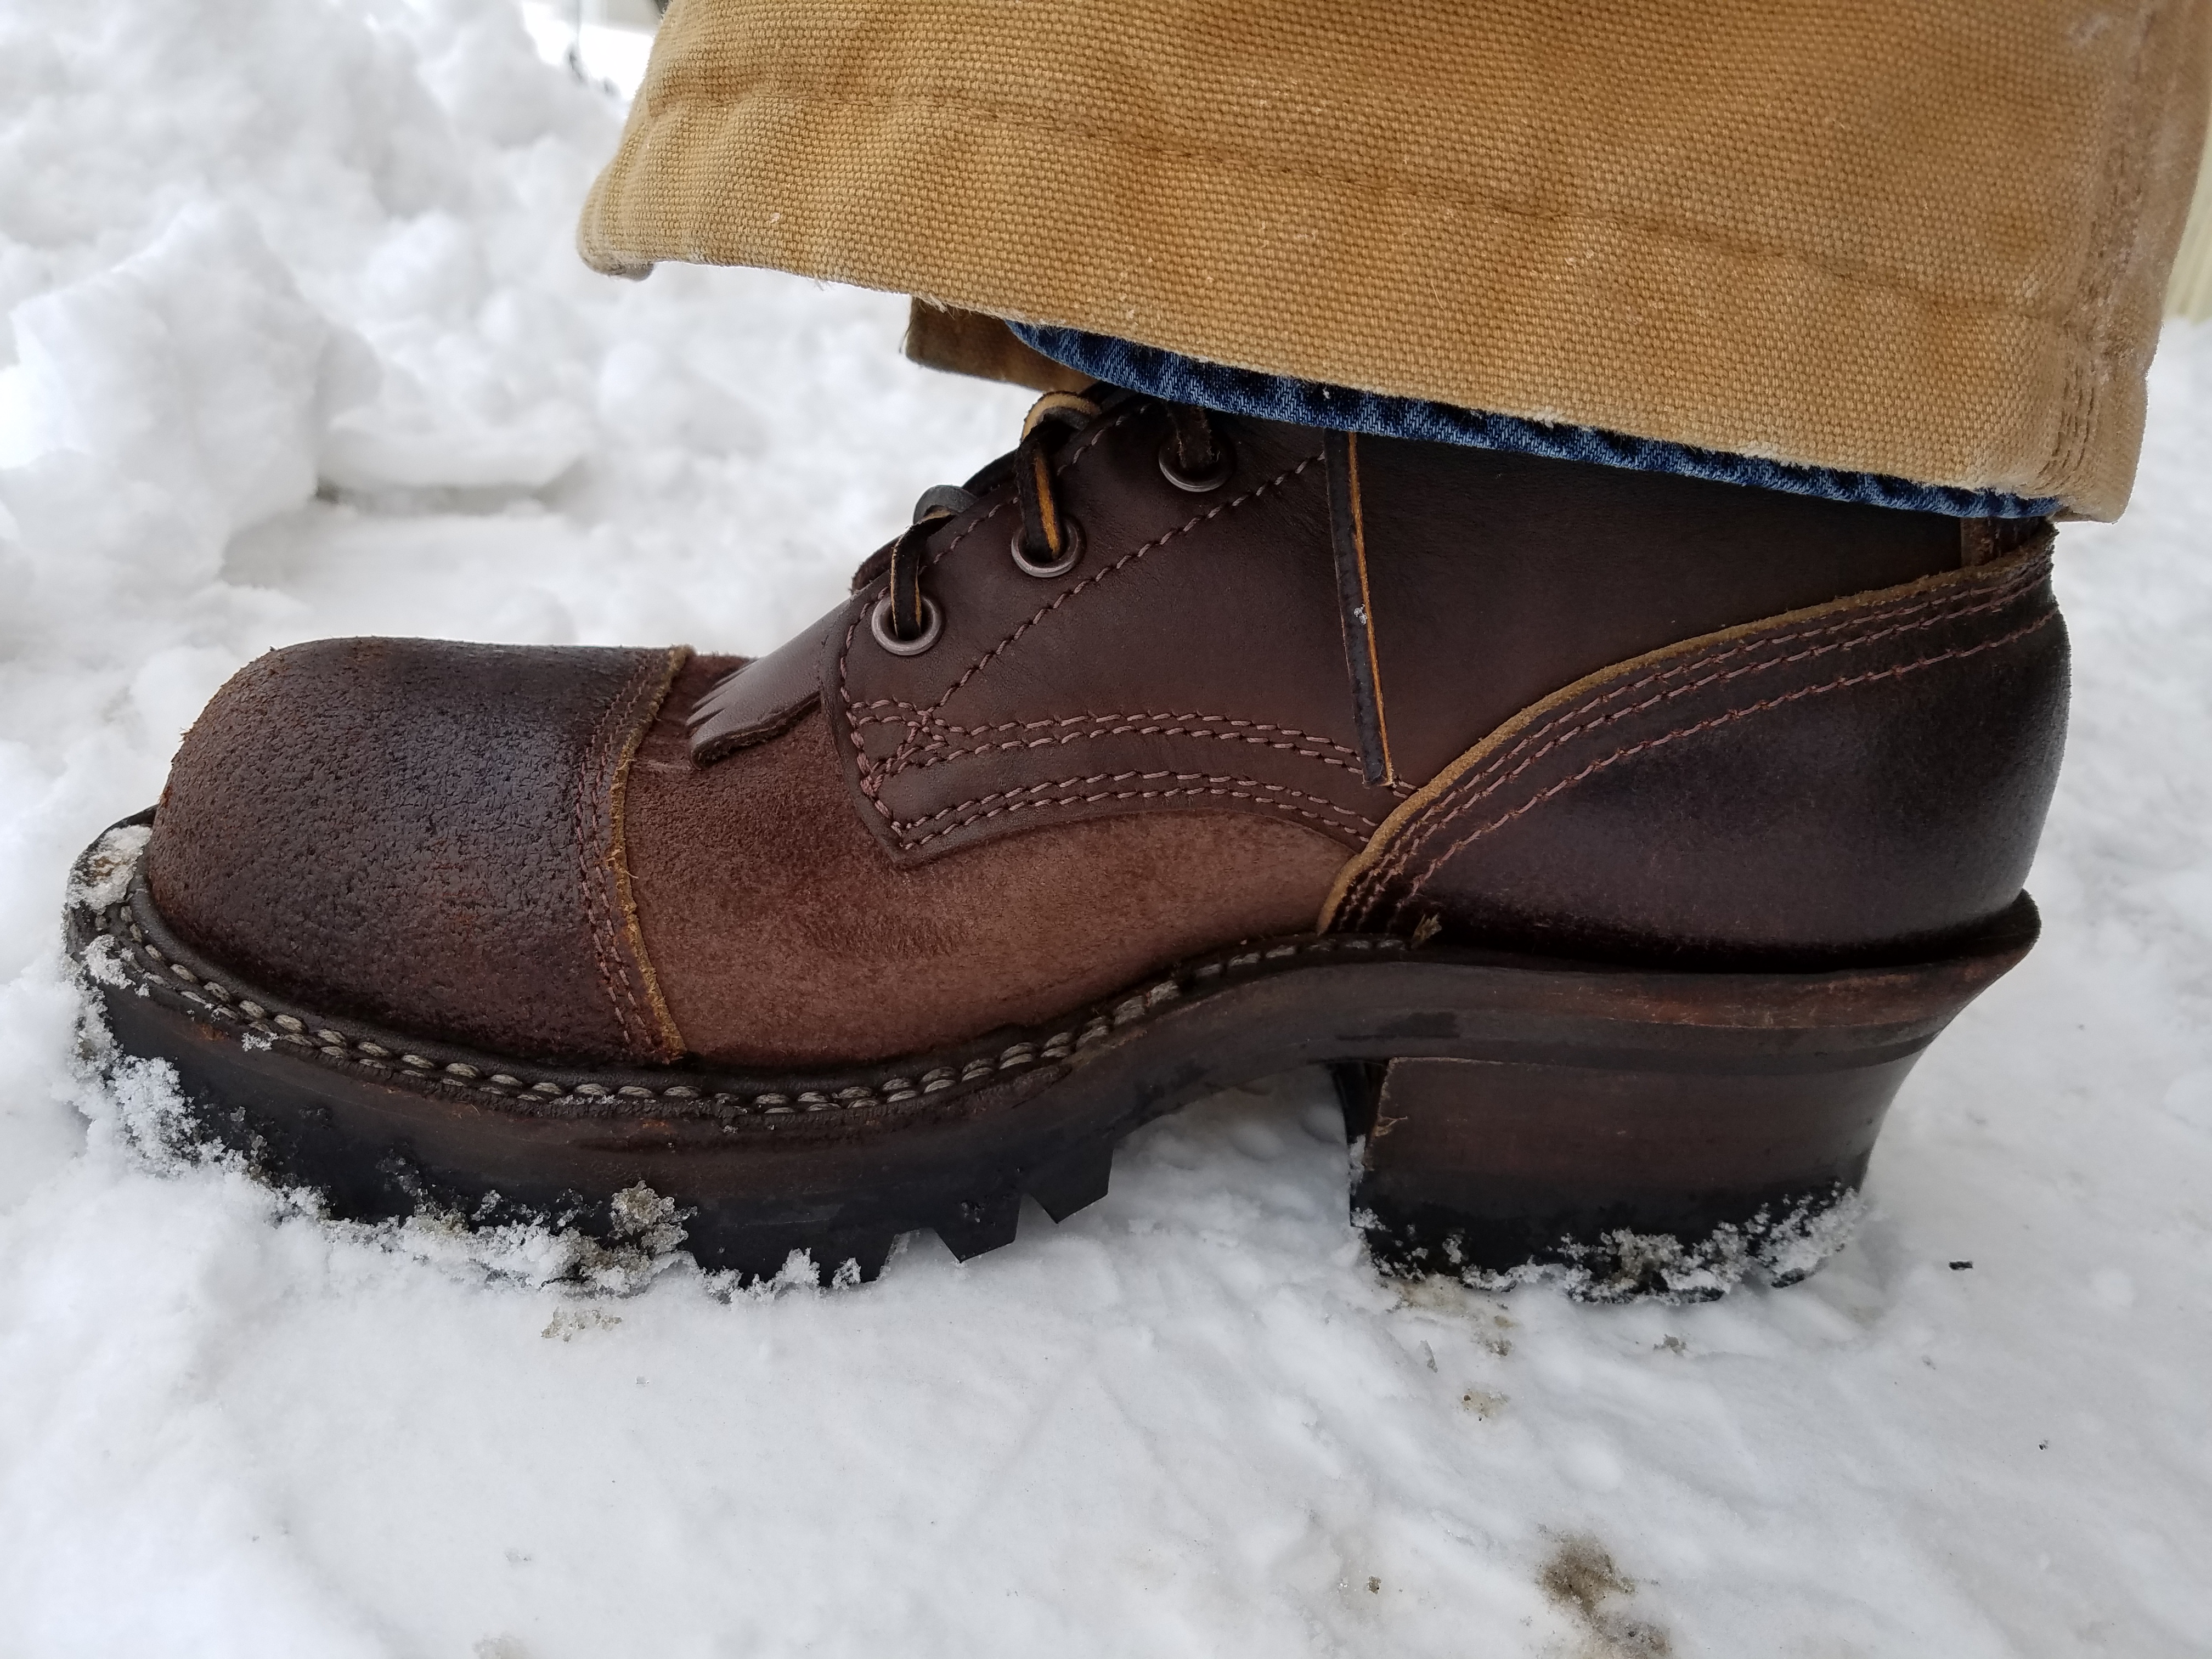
[(1121, 777), (1090, 443), (864, 769), (1128, 558), (614, 976), (1130, 795), (934, 757), (1457, 798), (934, 738), (898, 756), (977, 525), (869, 774), (1367, 607), (1056, 127), (1440, 812), (1896, 671), (931, 727), (1992, 600), (1143, 714), (845, 651)]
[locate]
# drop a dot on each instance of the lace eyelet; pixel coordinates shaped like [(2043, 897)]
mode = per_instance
[(1071, 540), (879, 625), (1197, 483)]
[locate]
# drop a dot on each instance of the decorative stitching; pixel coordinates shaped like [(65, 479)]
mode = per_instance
[(1128, 558), (1074, 460), (1363, 891), (653, 692), (938, 725), (1118, 777), (889, 1084), (1288, 743), (1894, 672), (974, 525), (1232, 788), (844, 653), (872, 773), (593, 843), (885, 703), (1994, 598), (1457, 798), (1055, 128)]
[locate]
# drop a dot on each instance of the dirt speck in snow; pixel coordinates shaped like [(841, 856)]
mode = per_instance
[(565, 1323), (1580, 1578)]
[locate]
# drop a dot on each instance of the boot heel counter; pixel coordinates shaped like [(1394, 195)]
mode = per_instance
[(1855, 779)]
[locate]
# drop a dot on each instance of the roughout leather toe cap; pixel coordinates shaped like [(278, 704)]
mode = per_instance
[(419, 834)]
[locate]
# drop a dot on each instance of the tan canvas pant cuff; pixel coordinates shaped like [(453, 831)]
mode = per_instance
[(1927, 241)]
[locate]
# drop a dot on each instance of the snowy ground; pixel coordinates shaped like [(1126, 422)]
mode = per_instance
[(296, 347)]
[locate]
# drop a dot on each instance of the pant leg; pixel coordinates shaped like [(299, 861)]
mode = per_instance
[(1926, 240)]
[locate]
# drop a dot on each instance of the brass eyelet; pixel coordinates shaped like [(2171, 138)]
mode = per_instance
[(1071, 542), (879, 625), (1198, 483)]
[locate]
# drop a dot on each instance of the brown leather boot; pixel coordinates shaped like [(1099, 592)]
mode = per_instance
[(1621, 839)]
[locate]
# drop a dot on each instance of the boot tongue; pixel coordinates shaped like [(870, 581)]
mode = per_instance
[(761, 700)]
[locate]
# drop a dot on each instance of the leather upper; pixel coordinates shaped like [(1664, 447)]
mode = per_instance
[(1301, 688), (1192, 660), (422, 834), (1197, 656), (1853, 779), (785, 931)]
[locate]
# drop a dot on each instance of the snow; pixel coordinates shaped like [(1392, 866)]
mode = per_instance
[(296, 346)]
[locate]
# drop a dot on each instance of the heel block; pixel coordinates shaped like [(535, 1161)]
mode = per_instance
[(1670, 1156), (1623, 1182)]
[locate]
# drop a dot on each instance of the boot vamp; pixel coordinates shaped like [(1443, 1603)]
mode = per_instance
[(420, 834), (423, 835), (783, 931)]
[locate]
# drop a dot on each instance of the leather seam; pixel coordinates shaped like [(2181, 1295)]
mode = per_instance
[(1074, 460), (1292, 742), (1414, 888), (1059, 599), (1863, 624), (552, 1092), (596, 782), (1119, 777), (863, 766), (940, 757), (1400, 185), (1860, 630), (633, 928), (1232, 788), (1143, 714)]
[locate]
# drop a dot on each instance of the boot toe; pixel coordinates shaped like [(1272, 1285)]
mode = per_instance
[(420, 835)]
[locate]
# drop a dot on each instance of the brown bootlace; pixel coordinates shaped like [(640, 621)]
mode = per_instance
[(1046, 542)]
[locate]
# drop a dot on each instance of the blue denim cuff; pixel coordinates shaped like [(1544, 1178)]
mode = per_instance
[(1278, 398)]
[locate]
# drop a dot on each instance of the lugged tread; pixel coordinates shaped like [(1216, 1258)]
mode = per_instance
[(1075, 1183), (981, 1223)]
